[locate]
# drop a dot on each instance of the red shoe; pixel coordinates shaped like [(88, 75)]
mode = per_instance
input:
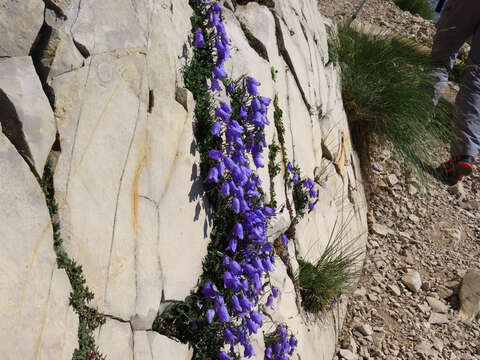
[(456, 168)]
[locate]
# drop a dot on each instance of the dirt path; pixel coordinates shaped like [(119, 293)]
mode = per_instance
[(414, 227)]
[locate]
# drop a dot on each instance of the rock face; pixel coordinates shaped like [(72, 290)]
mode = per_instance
[(20, 22), (37, 322), (131, 204), (27, 118)]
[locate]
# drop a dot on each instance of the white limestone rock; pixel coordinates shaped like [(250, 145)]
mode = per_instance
[(166, 348), (20, 22), (36, 320), (109, 25), (115, 340), (27, 115)]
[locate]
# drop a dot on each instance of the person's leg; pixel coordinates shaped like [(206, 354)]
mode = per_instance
[(457, 23), (467, 117)]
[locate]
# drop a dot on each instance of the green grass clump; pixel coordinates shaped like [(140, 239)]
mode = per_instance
[(330, 276), (387, 89), (416, 7)]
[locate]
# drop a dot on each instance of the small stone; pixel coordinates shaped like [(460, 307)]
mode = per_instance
[(392, 179), (347, 354), (437, 305), (382, 184), (412, 280), (436, 318), (365, 329), (438, 344), (394, 289), (414, 218), (470, 205), (360, 292), (470, 296), (426, 285), (424, 308), (424, 348), (380, 229), (412, 190)]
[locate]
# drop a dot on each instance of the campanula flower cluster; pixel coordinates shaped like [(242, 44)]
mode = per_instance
[(281, 345), (307, 184), (248, 254)]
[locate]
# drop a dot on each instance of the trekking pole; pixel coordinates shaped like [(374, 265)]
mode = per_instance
[(357, 11)]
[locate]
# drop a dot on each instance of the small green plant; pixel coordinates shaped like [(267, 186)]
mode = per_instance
[(331, 275), (273, 72), (273, 170), (80, 297), (387, 88), (416, 7)]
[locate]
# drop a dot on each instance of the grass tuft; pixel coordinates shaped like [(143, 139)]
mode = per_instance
[(331, 275), (386, 88), (416, 7)]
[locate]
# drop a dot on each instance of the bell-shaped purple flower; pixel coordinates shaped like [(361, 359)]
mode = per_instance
[(308, 183), (268, 352), (229, 337), (292, 341), (236, 205), (257, 160), (222, 312), (225, 188), (221, 169), (311, 206), (232, 245), (231, 87), (210, 314), (236, 304), (284, 240), (219, 72), (214, 19), (238, 230), (215, 129), (245, 304), (215, 154), (222, 114), (209, 290), (216, 8), (223, 356), (235, 267), (269, 302), (215, 85), (295, 178), (268, 211), (257, 317), (212, 175), (252, 86), (249, 352), (199, 41), (252, 326), (265, 100), (275, 292), (243, 113), (290, 166)]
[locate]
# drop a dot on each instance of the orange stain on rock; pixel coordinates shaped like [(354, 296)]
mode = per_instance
[(145, 151)]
